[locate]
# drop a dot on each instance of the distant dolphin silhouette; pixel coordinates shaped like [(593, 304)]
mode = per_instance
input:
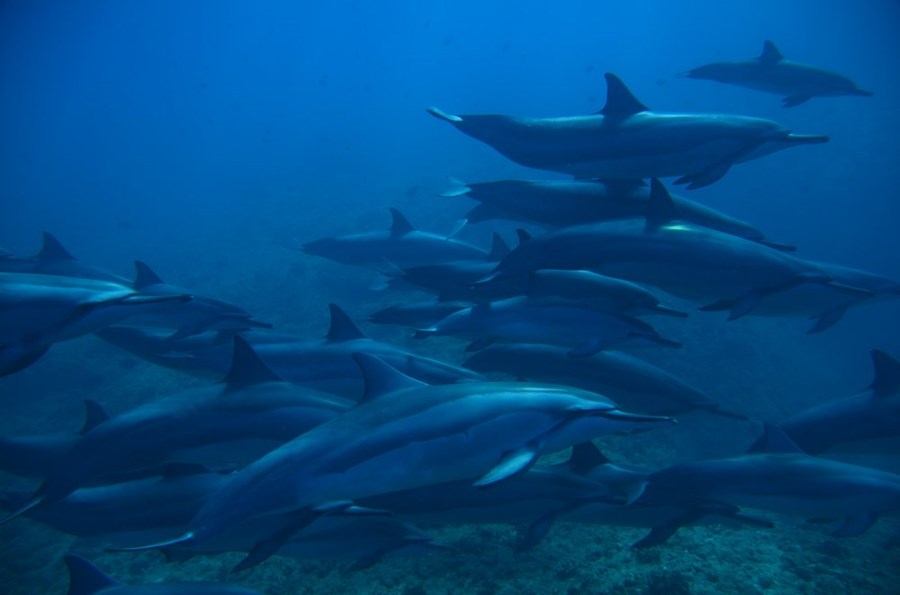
[(771, 73)]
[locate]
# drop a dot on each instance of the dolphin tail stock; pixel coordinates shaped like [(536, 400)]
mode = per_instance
[(442, 115)]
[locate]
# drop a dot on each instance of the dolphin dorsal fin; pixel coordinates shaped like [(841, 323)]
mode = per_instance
[(94, 415), (774, 440), (247, 368), (522, 235), (499, 248), (380, 378), (661, 208), (770, 54), (585, 458), (85, 578), (887, 374), (341, 327), (620, 101), (400, 224), (144, 276), (52, 250)]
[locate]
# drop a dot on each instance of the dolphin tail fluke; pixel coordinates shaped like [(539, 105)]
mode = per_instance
[(180, 540), (442, 115)]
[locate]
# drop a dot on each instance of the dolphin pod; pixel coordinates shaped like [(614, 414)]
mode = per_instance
[(252, 406), (261, 463), (38, 310), (771, 73), (324, 364), (721, 271), (627, 141)]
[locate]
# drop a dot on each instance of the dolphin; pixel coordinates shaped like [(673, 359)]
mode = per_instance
[(320, 364), (364, 539), (585, 489), (826, 308), (54, 259), (132, 512), (584, 330), (457, 281), (34, 456), (720, 270), (406, 434), (402, 245), (784, 480), (39, 310), (869, 415), (562, 203), (771, 73), (600, 292), (633, 382), (627, 141), (87, 579), (253, 410), (193, 317), (129, 512)]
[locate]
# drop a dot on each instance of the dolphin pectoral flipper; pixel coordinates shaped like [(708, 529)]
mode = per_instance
[(855, 525), (513, 463), (536, 532), (294, 523), (795, 100), (708, 176), (828, 319), (661, 533), (181, 539)]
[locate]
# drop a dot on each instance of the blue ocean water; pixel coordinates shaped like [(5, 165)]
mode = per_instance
[(210, 139)]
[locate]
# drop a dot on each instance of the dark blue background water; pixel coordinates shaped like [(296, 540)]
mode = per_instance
[(210, 138)]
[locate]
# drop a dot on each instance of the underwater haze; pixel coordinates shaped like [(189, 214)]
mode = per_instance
[(212, 140)]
